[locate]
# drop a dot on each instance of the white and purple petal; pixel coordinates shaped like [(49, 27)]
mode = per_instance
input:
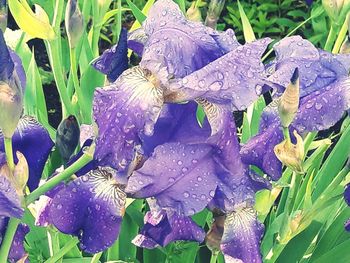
[(124, 110), (91, 207), (164, 227), (242, 235)]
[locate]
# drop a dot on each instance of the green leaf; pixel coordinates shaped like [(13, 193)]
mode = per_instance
[(245, 129), (140, 17), (34, 25), (247, 28), (339, 254), (200, 115)]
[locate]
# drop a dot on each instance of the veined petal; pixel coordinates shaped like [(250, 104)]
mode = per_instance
[(176, 123), (236, 78), (127, 108), (115, 60), (317, 68), (30, 132), (91, 207), (179, 176), (136, 40), (179, 45), (165, 227), (242, 234)]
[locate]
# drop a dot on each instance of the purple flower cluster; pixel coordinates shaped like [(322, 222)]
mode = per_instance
[(150, 145)]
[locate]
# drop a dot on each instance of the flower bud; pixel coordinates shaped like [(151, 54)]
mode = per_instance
[(334, 8), (3, 15), (290, 154), (289, 101), (214, 236), (214, 11), (193, 13), (21, 173), (67, 137), (74, 23), (11, 92), (345, 47)]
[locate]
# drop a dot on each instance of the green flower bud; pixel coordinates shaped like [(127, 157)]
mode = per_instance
[(74, 23), (289, 101), (336, 9), (11, 106), (193, 13), (21, 173), (3, 14), (290, 154)]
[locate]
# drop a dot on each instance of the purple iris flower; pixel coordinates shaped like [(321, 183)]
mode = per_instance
[(184, 177), (324, 97), (181, 60)]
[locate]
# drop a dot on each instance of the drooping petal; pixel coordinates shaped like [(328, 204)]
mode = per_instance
[(236, 78), (164, 227), (114, 61), (317, 68), (31, 133), (242, 234), (10, 203), (179, 45), (179, 176), (128, 107), (91, 207)]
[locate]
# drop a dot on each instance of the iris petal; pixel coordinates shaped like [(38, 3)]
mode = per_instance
[(124, 110), (236, 78), (242, 234), (10, 204), (114, 61), (91, 207), (179, 176), (165, 227), (30, 132)]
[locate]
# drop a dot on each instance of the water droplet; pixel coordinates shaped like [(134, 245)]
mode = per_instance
[(179, 162), (201, 83), (194, 161), (171, 179), (215, 86), (212, 193), (184, 169), (186, 194), (59, 206), (199, 179), (318, 106)]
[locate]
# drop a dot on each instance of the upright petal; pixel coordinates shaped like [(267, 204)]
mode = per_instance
[(136, 40), (91, 207), (242, 234), (179, 176), (115, 60), (164, 227), (236, 78), (179, 45), (30, 132), (124, 110), (317, 68)]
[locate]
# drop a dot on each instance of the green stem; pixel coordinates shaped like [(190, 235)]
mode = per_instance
[(214, 257), (7, 241), (54, 242), (286, 133), (9, 154), (330, 39), (96, 258), (64, 250), (51, 183), (341, 36)]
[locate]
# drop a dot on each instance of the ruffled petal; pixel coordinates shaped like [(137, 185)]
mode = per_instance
[(91, 207), (164, 227), (124, 110), (30, 132), (179, 45), (317, 68), (242, 234), (114, 61), (236, 78), (179, 176)]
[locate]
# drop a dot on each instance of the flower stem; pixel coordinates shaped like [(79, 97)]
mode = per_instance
[(9, 154), (7, 241), (51, 183), (64, 250), (286, 133), (214, 257)]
